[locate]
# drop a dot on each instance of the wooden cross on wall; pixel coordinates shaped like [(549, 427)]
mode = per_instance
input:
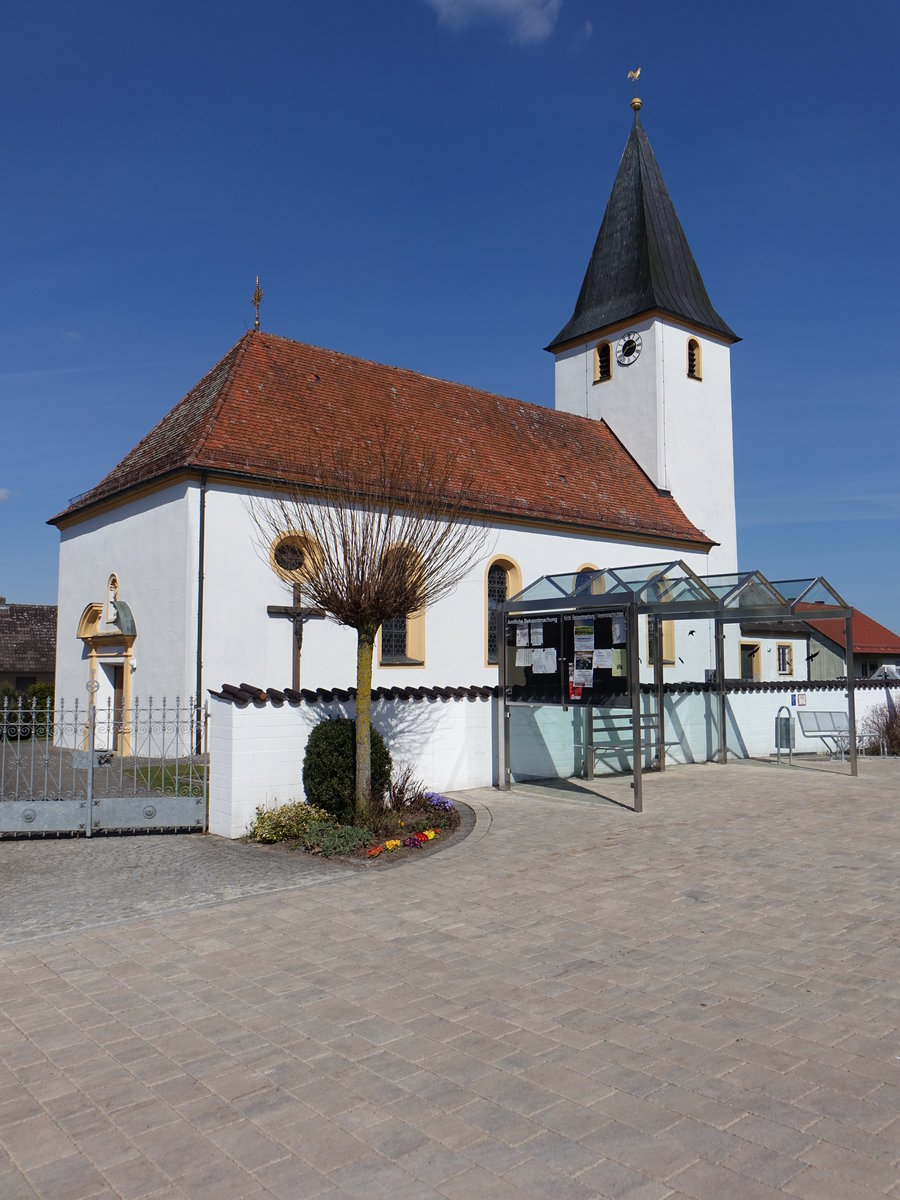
[(298, 616)]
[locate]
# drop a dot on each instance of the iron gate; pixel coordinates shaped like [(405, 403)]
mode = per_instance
[(86, 770)]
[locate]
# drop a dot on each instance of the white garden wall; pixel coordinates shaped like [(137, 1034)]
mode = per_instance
[(257, 750)]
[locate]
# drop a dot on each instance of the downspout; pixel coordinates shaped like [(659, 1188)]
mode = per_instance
[(201, 550)]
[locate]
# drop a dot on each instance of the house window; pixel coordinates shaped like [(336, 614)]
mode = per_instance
[(750, 668), (694, 359), (602, 363), (785, 658)]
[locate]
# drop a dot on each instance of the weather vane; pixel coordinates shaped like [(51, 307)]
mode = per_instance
[(635, 75), (257, 296)]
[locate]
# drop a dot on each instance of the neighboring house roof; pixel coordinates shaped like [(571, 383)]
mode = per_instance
[(869, 637), (27, 638), (264, 412), (641, 260)]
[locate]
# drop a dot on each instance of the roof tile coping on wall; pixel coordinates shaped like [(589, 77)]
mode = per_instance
[(247, 693)]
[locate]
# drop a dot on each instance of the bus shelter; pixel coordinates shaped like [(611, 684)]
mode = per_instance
[(573, 640)]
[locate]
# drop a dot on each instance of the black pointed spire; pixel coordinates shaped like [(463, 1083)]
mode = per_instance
[(641, 260)]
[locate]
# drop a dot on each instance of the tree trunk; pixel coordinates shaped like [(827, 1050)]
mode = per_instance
[(364, 646)]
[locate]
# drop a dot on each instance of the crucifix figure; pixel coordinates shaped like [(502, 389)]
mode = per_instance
[(298, 616)]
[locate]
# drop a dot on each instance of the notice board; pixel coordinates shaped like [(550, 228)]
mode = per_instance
[(568, 658)]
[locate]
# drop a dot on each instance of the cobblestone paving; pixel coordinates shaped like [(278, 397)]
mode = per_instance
[(574, 1002), (52, 886)]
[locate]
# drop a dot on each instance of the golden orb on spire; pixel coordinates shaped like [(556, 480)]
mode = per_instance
[(636, 103)]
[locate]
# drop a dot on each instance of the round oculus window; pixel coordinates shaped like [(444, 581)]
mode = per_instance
[(628, 348), (289, 557)]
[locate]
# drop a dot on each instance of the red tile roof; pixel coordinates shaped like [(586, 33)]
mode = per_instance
[(270, 403), (868, 636), (27, 638)]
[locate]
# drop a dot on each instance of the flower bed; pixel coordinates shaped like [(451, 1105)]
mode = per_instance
[(414, 821), (411, 843)]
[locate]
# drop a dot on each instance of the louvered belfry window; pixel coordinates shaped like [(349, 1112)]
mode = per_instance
[(693, 359), (604, 362), (497, 585)]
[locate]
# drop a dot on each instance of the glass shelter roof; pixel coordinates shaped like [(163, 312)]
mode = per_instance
[(672, 589), (665, 590)]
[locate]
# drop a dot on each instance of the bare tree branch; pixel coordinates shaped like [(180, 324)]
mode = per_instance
[(382, 537)]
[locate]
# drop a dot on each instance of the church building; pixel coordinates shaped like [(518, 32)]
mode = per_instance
[(165, 590)]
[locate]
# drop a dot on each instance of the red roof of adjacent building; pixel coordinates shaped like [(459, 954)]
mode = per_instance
[(27, 638), (868, 636), (263, 412)]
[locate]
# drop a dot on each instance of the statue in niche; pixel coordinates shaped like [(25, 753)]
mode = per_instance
[(112, 596)]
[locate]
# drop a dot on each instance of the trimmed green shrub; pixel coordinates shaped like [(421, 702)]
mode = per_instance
[(329, 768), (40, 701), (43, 694), (287, 823)]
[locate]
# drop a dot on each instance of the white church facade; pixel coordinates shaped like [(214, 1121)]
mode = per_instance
[(164, 588)]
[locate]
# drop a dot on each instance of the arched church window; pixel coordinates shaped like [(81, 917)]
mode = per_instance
[(503, 579), (403, 638), (497, 593), (602, 363), (694, 359), (588, 580), (393, 639)]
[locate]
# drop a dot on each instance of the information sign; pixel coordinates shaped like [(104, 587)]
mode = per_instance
[(568, 658)]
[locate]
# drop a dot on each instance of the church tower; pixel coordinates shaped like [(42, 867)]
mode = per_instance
[(646, 351)]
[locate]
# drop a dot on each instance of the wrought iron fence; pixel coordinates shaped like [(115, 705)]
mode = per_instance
[(141, 767)]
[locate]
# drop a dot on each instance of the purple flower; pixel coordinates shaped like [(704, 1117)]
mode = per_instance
[(436, 800)]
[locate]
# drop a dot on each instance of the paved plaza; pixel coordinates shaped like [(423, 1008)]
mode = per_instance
[(573, 1001)]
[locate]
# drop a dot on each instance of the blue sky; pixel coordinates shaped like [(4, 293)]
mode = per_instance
[(420, 182)]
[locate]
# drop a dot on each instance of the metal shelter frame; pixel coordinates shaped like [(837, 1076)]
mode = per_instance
[(668, 591)]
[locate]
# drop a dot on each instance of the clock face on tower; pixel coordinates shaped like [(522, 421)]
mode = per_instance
[(627, 349)]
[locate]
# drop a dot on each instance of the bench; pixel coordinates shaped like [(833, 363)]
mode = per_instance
[(833, 728)]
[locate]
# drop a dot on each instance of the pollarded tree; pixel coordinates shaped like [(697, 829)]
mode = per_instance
[(378, 539)]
